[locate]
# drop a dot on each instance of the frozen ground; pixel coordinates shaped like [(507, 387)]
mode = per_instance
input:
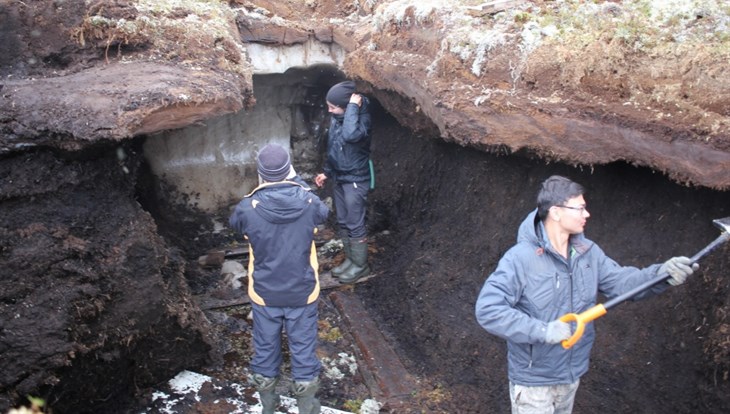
[(190, 391)]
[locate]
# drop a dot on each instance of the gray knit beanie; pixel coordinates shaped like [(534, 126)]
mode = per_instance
[(339, 95), (273, 163)]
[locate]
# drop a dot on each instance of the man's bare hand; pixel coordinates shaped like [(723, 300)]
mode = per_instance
[(320, 179), (356, 99)]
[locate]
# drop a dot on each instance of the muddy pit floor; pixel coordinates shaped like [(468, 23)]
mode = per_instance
[(360, 370)]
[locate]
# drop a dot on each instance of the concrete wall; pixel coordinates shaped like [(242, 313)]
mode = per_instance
[(213, 165)]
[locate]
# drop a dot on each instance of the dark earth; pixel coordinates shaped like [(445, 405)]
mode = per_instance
[(100, 276)]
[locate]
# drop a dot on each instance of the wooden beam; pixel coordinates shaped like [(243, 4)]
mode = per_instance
[(238, 297)]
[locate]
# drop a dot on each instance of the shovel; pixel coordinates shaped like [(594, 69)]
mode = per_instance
[(601, 309)]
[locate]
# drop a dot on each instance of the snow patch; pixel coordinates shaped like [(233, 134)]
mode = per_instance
[(186, 382)]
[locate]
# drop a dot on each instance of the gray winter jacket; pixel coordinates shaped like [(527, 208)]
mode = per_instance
[(534, 285)]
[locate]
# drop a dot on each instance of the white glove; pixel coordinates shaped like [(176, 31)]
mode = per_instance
[(679, 268), (557, 331)]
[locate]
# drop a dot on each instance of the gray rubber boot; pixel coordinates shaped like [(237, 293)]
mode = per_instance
[(267, 392), (337, 271), (304, 393), (359, 257)]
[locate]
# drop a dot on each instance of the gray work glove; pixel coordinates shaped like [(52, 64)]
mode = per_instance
[(679, 268), (557, 331)]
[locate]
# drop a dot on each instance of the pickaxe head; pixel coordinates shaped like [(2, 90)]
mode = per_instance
[(723, 224)]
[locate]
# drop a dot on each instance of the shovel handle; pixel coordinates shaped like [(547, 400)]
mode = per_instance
[(581, 319), (600, 310)]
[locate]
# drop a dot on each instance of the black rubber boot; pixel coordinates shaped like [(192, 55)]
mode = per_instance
[(304, 393), (359, 257), (337, 271), (267, 392)]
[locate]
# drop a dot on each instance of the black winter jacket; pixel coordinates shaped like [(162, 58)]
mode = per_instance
[(348, 144)]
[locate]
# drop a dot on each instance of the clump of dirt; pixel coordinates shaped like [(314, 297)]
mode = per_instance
[(36, 40), (582, 83), (99, 304)]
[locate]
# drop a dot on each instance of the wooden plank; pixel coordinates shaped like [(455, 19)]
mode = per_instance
[(216, 257), (239, 297), (382, 368)]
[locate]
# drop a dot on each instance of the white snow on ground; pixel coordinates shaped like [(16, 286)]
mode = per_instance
[(187, 381)]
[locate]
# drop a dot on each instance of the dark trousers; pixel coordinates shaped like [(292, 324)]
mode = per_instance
[(351, 200), (301, 330)]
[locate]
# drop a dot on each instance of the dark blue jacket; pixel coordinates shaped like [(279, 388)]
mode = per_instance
[(348, 144), (280, 220)]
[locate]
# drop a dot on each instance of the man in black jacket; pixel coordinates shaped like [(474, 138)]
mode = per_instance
[(280, 218), (348, 163)]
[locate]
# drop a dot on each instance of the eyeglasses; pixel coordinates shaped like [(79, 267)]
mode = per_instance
[(581, 209)]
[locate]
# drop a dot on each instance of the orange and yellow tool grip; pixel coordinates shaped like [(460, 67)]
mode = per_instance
[(581, 320)]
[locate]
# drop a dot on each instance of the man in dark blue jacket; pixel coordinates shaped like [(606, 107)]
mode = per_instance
[(553, 270), (279, 219), (348, 163)]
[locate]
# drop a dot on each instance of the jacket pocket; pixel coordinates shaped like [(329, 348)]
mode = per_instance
[(587, 283), (541, 291)]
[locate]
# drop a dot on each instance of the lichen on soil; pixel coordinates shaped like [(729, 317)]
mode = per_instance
[(474, 104)]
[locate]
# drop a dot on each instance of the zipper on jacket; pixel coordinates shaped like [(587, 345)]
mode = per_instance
[(530, 364), (570, 277)]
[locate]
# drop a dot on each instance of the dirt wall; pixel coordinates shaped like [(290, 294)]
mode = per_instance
[(94, 304), (454, 211)]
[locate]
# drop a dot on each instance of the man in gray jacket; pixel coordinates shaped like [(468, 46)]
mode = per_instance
[(553, 270)]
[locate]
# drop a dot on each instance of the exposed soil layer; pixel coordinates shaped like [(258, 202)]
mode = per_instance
[(453, 212), (593, 99), (95, 303)]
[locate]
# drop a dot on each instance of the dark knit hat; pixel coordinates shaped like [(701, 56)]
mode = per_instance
[(339, 95), (273, 163)]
